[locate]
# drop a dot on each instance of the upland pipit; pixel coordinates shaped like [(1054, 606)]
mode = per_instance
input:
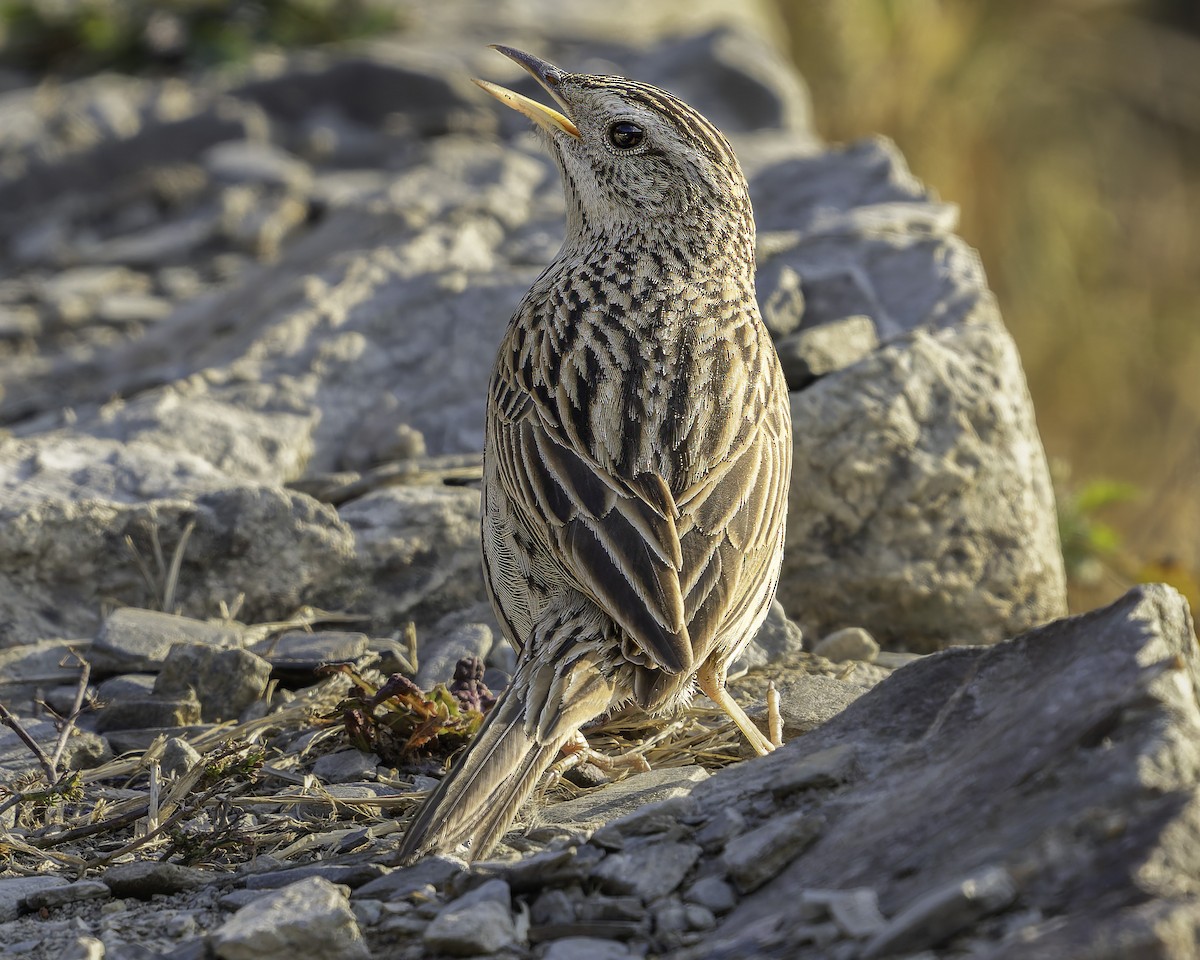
[(638, 446)]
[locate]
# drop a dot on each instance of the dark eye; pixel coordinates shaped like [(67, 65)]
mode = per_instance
[(625, 135)]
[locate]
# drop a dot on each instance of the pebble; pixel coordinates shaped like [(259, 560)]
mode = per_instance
[(225, 681), (14, 890), (309, 918), (154, 711), (856, 912), (51, 897), (247, 161), (826, 768), (944, 911), (301, 651), (178, 757), (852, 643), (759, 856), (586, 948), (649, 871), (477, 923), (135, 639), (346, 765), (712, 893), (625, 796), (405, 881), (146, 878)]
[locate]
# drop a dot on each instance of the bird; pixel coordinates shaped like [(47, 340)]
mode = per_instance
[(637, 447)]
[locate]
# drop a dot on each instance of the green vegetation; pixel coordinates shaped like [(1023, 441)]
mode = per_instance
[(1069, 134), (83, 36)]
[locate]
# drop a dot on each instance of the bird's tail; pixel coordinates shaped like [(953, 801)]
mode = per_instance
[(478, 799)]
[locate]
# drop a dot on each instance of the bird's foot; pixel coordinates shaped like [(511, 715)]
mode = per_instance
[(577, 751)]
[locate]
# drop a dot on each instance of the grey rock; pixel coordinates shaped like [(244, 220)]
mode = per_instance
[(450, 640), (134, 639), (777, 639), (247, 161), (552, 907), (350, 875), (660, 817), (760, 855), (125, 308), (831, 767), (57, 896), (346, 765), (648, 871), (929, 419), (851, 643), (14, 890), (478, 922), (125, 685), (816, 351), (625, 796), (302, 650), (405, 881), (84, 948), (225, 681), (144, 879), (713, 893), (586, 948), (26, 668), (83, 750), (808, 700), (939, 914), (158, 711), (856, 912), (310, 918), (178, 757)]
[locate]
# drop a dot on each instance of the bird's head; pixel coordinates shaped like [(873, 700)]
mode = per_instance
[(634, 159)]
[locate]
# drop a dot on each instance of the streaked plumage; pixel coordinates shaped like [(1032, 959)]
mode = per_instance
[(638, 446)]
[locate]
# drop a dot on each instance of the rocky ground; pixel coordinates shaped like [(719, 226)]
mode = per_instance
[(245, 326)]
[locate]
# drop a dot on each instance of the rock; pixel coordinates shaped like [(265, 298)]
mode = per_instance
[(938, 413), (310, 918), (144, 879), (816, 351), (303, 651), (713, 893), (755, 857), (133, 639), (939, 914), (83, 750), (648, 871), (159, 711), (14, 890), (856, 912), (84, 948), (777, 639), (350, 875), (345, 765), (477, 923), (246, 161), (624, 796), (1074, 743), (827, 768), (586, 948), (225, 682), (124, 308), (56, 896), (178, 757), (807, 700), (852, 643), (405, 881), (451, 640)]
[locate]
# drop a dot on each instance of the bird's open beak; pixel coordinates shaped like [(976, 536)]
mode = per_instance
[(546, 74)]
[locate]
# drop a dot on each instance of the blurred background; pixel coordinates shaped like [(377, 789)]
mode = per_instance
[(1068, 131)]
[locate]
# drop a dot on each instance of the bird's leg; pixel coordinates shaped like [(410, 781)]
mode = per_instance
[(577, 751), (711, 680)]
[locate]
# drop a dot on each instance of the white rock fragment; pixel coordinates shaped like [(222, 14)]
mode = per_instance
[(309, 919)]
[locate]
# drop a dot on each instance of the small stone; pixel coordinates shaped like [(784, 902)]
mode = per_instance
[(813, 352), (52, 897), (83, 750), (178, 757), (120, 309), (14, 890), (826, 768), (552, 907), (135, 639), (778, 639), (402, 883), (225, 681), (246, 161), (649, 871), (460, 641), (808, 700), (144, 879), (345, 766), (759, 856), (350, 875), (125, 685), (302, 651), (83, 948), (310, 919), (625, 796), (699, 917), (586, 948), (670, 917), (856, 912), (712, 893), (662, 817), (479, 922), (728, 823), (153, 711), (940, 913), (852, 643)]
